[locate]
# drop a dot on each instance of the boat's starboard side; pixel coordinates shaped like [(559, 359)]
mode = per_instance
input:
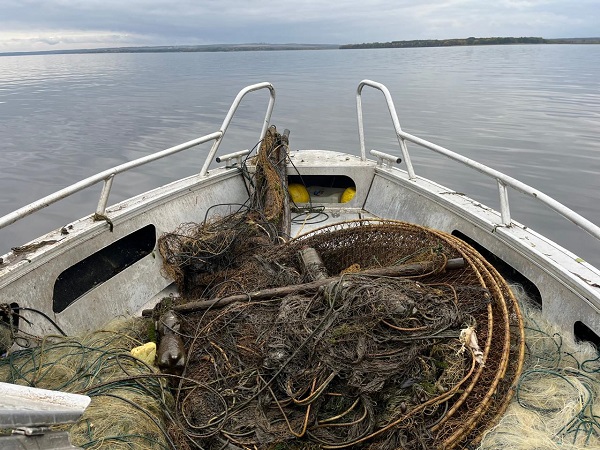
[(569, 288)]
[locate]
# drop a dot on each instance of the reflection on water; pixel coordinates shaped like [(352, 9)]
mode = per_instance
[(530, 111)]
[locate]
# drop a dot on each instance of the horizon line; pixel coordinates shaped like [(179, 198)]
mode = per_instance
[(149, 48)]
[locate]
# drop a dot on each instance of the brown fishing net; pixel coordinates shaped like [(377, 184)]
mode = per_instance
[(386, 344), (205, 259)]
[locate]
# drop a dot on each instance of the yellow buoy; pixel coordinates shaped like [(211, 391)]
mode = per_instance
[(348, 195), (298, 193), (146, 353)]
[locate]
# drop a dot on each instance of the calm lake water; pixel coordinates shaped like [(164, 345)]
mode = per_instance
[(531, 111)]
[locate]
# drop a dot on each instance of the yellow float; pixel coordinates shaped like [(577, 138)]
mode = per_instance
[(298, 193), (348, 195)]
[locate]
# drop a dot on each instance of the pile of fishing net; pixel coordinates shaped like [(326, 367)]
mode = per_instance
[(130, 400), (198, 256), (378, 342)]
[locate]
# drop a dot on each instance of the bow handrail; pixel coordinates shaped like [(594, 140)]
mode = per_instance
[(503, 181), (108, 176)]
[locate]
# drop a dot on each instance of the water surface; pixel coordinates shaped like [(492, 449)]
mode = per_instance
[(531, 111)]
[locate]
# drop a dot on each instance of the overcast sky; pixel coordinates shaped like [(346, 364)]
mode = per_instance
[(33, 25)]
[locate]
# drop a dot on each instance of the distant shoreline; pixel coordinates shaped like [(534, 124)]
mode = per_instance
[(183, 49), (471, 41)]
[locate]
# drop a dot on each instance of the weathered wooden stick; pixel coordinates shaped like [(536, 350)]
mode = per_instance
[(404, 270)]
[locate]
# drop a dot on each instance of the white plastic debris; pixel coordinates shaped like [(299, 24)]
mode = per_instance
[(468, 337)]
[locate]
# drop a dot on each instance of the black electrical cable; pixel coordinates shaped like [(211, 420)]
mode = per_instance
[(41, 313)]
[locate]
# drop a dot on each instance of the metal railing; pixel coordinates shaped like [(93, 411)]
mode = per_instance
[(108, 176), (503, 181)]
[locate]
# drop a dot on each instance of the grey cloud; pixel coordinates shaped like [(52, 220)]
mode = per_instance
[(163, 22), (50, 41)]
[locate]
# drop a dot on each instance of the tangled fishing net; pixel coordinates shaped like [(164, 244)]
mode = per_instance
[(357, 335), (388, 348), (199, 257)]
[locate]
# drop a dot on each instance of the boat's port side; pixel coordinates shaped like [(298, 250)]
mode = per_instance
[(568, 288), (101, 266), (83, 279)]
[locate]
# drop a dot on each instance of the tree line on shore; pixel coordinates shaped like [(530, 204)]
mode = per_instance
[(471, 41)]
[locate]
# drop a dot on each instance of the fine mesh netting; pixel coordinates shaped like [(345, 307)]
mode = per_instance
[(556, 403), (129, 399)]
